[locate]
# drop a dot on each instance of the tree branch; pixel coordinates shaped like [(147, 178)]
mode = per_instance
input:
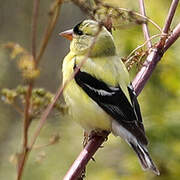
[(54, 14), (170, 15), (174, 36), (24, 154), (85, 155), (144, 25), (148, 67), (34, 27), (168, 22), (156, 53)]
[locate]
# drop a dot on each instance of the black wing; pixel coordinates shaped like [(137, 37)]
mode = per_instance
[(135, 105), (114, 102)]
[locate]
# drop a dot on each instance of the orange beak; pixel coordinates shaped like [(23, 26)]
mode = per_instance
[(67, 34)]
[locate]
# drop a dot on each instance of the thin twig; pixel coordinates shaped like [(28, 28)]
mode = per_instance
[(50, 27), (144, 25), (156, 53), (145, 17), (129, 11), (91, 12), (34, 27), (170, 16), (26, 123), (142, 45), (44, 116), (168, 21), (27, 110), (174, 36), (144, 74)]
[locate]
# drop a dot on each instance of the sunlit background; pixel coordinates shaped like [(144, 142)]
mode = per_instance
[(160, 100)]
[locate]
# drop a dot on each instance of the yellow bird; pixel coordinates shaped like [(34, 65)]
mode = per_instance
[(100, 96)]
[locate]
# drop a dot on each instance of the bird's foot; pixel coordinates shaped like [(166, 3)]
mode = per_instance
[(99, 133), (94, 133)]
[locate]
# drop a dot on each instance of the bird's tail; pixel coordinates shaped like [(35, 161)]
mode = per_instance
[(144, 157)]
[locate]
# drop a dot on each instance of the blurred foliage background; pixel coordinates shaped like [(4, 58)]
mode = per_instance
[(160, 99)]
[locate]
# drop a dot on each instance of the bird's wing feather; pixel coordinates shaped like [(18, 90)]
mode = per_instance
[(135, 105), (114, 102)]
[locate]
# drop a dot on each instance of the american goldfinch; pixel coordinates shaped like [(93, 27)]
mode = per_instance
[(100, 96)]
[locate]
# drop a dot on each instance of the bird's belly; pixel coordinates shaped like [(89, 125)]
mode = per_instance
[(84, 110)]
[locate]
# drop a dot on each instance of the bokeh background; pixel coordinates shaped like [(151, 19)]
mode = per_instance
[(160, 100)]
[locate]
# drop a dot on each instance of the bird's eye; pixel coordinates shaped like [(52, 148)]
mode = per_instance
[(77, 31)]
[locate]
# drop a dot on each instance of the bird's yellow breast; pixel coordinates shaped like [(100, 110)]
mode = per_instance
[(84, 110), (81, 107)]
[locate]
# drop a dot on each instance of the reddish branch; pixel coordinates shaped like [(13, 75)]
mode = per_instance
[(174, 36), (156, 52), (170, 15), (85, 155), (144, 25)]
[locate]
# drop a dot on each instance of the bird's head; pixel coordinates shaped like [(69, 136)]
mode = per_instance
[(83, 35)]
